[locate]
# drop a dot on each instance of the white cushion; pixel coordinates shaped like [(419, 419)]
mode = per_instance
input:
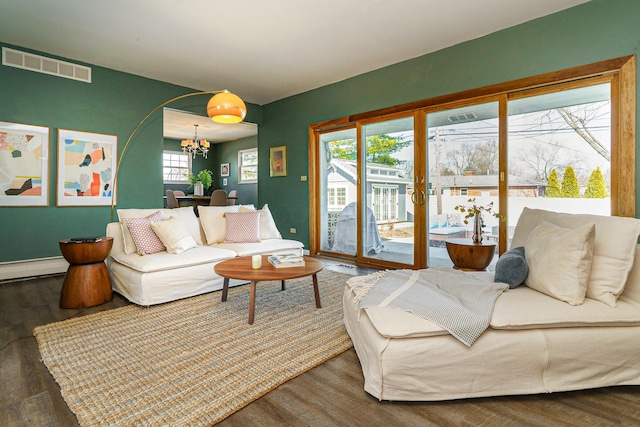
[(615, 243), (524, 308), (189, 220), (268, 228), (559, 260), (162, 261), (242, 227), (175, 236), (214, 223), (271, 246), (144, 238)]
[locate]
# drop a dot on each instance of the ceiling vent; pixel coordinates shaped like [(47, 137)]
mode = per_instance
[(41, 64), (462, 117)]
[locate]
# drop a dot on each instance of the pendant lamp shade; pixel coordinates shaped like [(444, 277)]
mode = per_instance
[(226, 107)]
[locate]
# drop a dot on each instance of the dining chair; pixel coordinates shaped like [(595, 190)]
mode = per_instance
[(172, 202), (178, 193), (218, 198), (232, 197)]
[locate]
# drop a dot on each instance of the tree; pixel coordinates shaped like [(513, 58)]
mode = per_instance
[(570, 188), (579, 117), (379, 149), (553, 185), (344, 149), (479, 158), (596, 188)]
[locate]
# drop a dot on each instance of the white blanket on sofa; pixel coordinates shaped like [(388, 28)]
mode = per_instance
[(457, 302)]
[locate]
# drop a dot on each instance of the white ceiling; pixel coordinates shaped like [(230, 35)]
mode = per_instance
[(261, 50)]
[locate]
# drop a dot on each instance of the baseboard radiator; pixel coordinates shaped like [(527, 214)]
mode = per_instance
[(32, 268)]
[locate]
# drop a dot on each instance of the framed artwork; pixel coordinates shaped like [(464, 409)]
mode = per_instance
[(224, 169), (24, 165), (86, 165), (278, 161)]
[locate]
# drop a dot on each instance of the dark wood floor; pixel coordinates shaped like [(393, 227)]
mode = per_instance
[(330, 395)]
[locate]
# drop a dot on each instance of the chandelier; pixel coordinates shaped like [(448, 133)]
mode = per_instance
[(195, 146)]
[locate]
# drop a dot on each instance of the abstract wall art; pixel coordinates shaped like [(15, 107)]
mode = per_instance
[(86, 165), (24, 165)]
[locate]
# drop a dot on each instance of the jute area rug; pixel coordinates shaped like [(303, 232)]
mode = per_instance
[(196, 361)]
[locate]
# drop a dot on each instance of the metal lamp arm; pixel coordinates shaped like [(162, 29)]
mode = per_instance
[(126, 144)]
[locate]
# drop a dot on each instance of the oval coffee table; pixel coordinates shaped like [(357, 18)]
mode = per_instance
[(240, 268)]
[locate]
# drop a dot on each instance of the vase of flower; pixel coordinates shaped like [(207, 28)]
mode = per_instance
[(477, 229), (475, 211)]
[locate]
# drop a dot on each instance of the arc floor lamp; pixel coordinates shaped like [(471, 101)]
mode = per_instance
[(223, 107)]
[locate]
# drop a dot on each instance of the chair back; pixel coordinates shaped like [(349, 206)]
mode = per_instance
[(218, 198), (178, 193), (172, 202), (232, 197)]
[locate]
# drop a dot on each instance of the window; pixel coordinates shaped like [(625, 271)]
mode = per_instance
[(337, 197), (176, 167), (248, 166)]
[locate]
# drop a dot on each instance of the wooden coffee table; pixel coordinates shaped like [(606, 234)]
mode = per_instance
[(240, 268)]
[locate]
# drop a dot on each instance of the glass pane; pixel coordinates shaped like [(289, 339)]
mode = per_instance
[(338, 192), (463, 165), (560, 152), (387, 223), (249, 173)]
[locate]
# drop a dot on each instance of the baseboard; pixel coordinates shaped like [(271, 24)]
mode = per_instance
[(32, 267)]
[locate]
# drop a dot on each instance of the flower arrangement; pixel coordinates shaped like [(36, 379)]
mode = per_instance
[(473, 210), (476, 212)]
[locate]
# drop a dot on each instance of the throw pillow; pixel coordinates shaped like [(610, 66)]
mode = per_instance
[(189, 220), (145, 239), (129, 244), (614, 247), (243, 227), (268, 228), (559, 260), (214, 223), (174, 235), (511, 268)]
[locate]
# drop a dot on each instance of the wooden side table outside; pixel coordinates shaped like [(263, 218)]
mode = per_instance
[(87, 282), (467, 255)]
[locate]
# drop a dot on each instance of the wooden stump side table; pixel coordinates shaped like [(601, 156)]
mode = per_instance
[(87, 282), (467, 255)]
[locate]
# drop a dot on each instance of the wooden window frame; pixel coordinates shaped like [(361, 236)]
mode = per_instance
[(620, 71)]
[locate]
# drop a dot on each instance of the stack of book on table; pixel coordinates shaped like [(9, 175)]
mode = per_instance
[(283, 261)]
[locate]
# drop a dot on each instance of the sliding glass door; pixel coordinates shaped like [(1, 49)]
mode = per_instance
[(463, 165), (387, 191)]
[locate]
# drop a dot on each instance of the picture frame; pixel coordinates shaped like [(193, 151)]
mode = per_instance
[(278, 161), (224, 169), (86, 168), (24, 164)]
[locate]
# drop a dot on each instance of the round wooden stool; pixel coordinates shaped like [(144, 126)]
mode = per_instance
[(87, 282)]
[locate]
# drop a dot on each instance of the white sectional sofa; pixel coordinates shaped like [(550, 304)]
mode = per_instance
[(573, 324), (159, 277)]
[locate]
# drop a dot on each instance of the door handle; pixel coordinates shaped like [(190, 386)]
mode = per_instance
[(413, 198), (423, 197)]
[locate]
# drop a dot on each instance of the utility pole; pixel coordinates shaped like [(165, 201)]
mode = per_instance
[(438, 187)]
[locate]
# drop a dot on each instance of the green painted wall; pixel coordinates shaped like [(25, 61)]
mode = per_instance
[(592, 32), (113, 104), (227, 152)]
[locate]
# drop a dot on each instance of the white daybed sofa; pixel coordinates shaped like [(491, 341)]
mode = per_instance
[(536, 342), (162, 276)]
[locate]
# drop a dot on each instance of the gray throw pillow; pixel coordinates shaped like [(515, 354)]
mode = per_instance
[(511, 268)]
